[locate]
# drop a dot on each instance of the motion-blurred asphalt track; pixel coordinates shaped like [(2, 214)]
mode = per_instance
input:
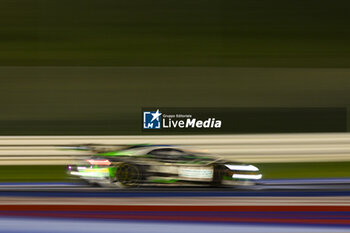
[(315, 205)]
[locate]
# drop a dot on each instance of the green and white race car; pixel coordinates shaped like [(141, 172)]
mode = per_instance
[(135, 165)]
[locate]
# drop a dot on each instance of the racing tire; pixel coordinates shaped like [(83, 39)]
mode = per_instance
[(217, 176), (128, 175)]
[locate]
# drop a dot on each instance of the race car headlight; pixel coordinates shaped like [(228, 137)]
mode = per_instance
[(248, 177), (242, 167)]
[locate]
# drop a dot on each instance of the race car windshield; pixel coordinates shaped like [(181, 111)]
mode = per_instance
[(170, 153)]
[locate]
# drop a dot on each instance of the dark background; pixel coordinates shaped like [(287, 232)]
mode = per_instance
[(249, 33), (88, 67)]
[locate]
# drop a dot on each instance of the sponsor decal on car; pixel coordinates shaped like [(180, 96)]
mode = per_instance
[(195, 172)]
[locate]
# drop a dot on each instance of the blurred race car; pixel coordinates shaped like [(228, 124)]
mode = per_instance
[(135, 165)]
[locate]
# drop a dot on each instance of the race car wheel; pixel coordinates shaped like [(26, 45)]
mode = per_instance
[(128, 175), (217, 176)]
